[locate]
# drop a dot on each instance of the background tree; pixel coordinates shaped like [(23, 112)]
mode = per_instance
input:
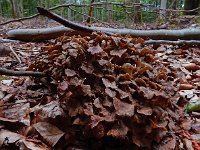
[(189, 5), (163, 6), (15, 8)]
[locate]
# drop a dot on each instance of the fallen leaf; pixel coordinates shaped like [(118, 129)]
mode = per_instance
[(50, 133), (145, 111), (122, 108), (186, 87), (119, 131), (95, 49), (191, 66)]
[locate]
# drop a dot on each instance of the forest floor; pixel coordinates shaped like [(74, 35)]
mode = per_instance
[(32, 115)]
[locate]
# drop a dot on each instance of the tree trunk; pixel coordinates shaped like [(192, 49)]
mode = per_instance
[(189, 5), (21, 6), (163, 7), (15, 8), (137, 14), (109, 11), (90, 11)]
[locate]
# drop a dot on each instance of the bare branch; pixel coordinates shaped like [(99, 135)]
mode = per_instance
[(4, 71), (17, 57), (179, 42)]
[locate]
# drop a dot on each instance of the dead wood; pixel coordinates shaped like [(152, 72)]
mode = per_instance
[(49, 33), (42, 34), (4, 71), (63, 21), (179, 42)]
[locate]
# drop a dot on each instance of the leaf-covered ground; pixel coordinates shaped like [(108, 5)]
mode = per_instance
[(102, 92)]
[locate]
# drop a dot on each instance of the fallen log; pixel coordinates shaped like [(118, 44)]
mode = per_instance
[(42, 34), (48, 33)]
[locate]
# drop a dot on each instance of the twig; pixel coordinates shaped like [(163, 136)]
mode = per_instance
[(19, 19), (4, 71), (8, 41), (17, 57)]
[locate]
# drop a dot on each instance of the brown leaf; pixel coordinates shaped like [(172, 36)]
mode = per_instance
[(18, 112), (191, 66), (62, 87), (50, 110), (168, 143), (122, 108), (118, 131), (75, 81), (95, 120), (145, 111), (128, 68), (109, 84), (18, 141), (186, 87), (110, 92), (145, 51), (122, 94), (87, 67), (95, 49), (86, 89), (118, 52), (50, 133), (70, 73)]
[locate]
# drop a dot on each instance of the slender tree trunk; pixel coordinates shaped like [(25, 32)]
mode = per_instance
[(108, 10), (137, 14), (189, 5), (90, 11), (163, 6), (21, 8)]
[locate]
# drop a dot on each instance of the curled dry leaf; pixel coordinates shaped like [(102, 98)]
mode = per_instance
[(50, 133), (123, 109), (186, 87), (118, 131), (145, 111), (191, 66), (70, 73), (95, 49), (109, 84)]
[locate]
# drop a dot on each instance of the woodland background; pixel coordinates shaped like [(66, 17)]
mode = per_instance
[(126, 12)]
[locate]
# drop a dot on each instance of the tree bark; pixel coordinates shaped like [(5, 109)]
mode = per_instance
[(137, 14), (15, 8), (163, 7), (90, 12), (49, 33), (189, 5)]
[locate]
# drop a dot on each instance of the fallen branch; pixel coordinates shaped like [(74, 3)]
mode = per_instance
[(4, 71), (67, 23), (8, 41), (179, 42), (42, 34), (50, 33), (17, 57)]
